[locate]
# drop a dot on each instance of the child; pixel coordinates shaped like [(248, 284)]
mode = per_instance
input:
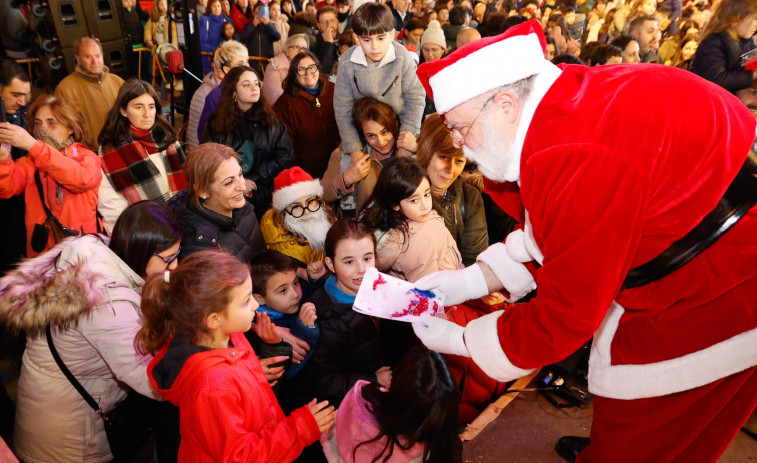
[(278, 291), (380, 68), (228, 33), (412, 239), (413, 421), (194, 318), (349, 348)]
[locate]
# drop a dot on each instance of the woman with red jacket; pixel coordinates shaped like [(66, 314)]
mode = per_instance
[(59, 155)]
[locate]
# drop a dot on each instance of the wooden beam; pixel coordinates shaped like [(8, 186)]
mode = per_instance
[(492, 411)]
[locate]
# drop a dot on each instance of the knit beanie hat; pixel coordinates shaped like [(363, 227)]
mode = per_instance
[(292, 185), (434, 34)]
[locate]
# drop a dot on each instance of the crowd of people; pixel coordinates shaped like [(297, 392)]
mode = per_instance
[(216, 272)]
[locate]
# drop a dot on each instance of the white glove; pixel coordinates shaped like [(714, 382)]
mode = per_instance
[(456, 285), (441, 335), (513, 275)]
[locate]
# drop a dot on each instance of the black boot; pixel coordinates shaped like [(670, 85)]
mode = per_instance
[(569, 447)]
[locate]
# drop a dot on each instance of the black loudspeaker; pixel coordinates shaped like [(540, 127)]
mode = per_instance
[(114, 52), (102, 19), (68, 20)]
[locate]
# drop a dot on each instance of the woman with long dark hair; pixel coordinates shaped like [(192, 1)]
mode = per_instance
[(245, 122), (351, 181), (141, 158), (307, 110), (725, 37)]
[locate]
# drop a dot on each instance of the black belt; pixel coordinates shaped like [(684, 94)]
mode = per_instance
[(737, 200)]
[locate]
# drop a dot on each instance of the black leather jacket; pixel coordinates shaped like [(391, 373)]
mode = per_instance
[(272, 153)]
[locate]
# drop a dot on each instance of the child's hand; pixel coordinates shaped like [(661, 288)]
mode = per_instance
[(265, 20), (272, 374), (307, 314), (407, 141), (384, 376), (266, 330), (300, 348), (316, 270), (323, 414), (360, 167)]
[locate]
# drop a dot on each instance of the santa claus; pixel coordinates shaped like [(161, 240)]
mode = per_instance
[(635, 186)]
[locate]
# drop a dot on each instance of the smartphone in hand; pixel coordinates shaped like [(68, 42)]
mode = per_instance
[(3, 117), (263, 11)]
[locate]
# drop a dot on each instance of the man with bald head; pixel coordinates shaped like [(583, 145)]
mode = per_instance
[(90, 87), (467, 35)]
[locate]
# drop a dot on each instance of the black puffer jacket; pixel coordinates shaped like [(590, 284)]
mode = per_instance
[(463, 212), (718, 59), (272, 152), (349, 349), (204, 229)]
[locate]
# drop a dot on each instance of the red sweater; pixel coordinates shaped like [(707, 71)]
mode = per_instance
[(229, 412)]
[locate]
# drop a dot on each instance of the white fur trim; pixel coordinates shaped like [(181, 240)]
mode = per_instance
[(628, 382), (513, 275), (495, 65), (295, 192), (482, 341)]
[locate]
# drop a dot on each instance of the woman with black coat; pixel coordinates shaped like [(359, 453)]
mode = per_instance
[(245, 123)]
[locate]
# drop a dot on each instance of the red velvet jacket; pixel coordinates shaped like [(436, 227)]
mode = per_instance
[(614, 168), (228, 410)]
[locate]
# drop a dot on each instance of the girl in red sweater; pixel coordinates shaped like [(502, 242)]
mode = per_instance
[(194, 318)]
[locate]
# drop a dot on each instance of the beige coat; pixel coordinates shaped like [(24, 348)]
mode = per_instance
[(428, 248), (91, 299)]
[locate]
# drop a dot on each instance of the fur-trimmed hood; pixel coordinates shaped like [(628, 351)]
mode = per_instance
[(58, 287)]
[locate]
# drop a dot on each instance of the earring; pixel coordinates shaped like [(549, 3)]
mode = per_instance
[(235, 98), (204, 197)]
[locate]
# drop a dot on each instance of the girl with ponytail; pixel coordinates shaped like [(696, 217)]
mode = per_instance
[(194, 318)]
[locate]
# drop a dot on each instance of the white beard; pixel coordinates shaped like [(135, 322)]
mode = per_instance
[(312, 226), (496, 160)]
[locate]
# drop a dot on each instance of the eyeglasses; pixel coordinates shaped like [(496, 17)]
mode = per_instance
[(247, 85), (168, 260), (298, 211), (463, 132), (328, 21), (311, 69), (297, 47)]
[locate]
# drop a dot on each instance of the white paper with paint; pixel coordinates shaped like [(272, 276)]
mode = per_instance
[(384, 296)]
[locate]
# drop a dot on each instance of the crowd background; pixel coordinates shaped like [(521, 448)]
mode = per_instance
[(258, 166)]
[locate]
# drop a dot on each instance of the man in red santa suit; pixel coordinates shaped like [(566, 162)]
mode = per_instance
[(610, 168)]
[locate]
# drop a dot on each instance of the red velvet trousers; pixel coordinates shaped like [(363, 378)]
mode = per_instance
[(690, 426)]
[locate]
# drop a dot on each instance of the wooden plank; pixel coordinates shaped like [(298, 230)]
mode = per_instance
[(492, 411)]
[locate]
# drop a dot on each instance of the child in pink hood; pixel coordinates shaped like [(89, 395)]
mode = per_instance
[(413, 421)]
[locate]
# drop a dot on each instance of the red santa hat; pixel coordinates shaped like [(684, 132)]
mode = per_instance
[(292, 185), (485, 64)]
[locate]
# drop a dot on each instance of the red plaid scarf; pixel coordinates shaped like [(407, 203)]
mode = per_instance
[(134, 175)]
